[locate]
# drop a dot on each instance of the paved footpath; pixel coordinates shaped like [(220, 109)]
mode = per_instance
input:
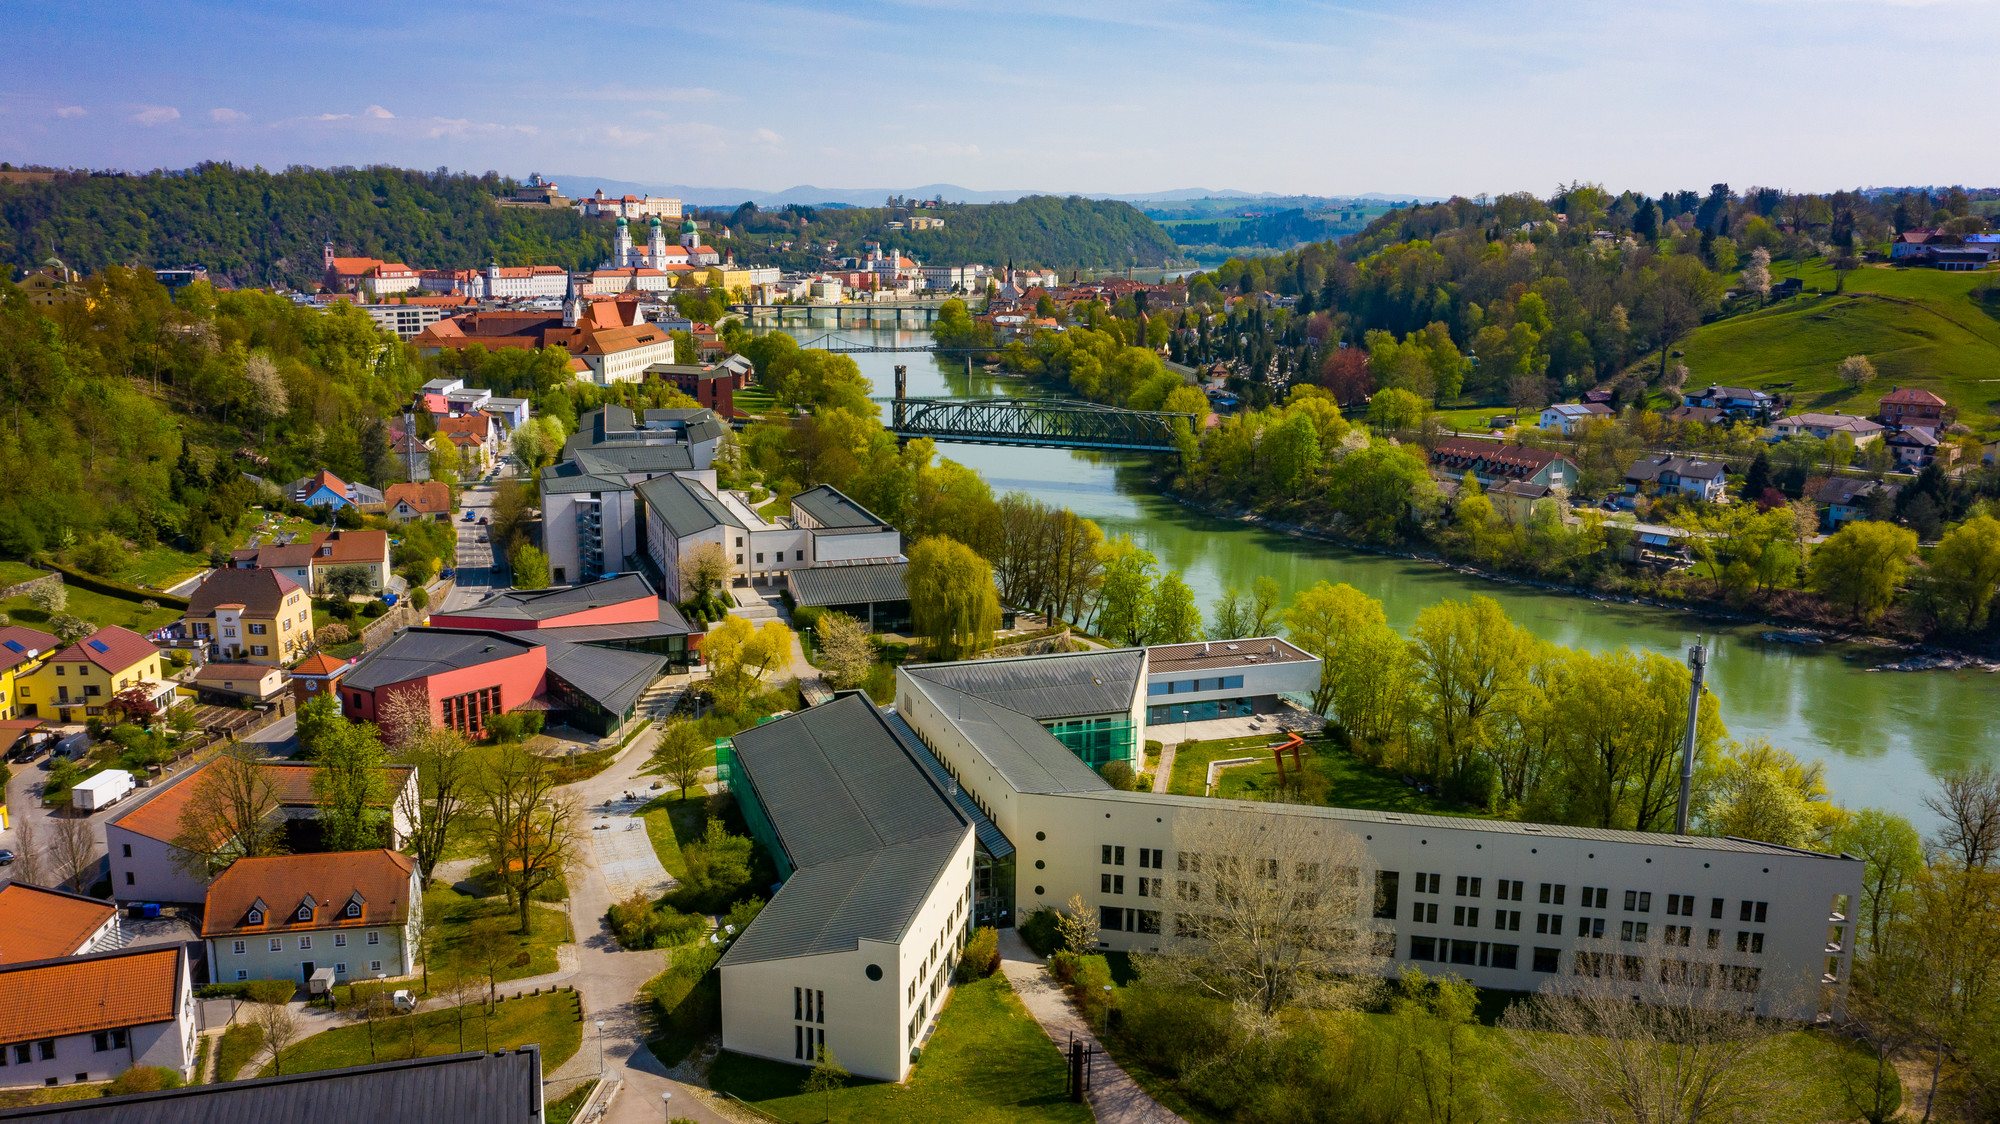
[(1163, 773), (1114, 1097)]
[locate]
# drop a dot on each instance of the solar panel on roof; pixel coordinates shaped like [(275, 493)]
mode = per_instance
[(15, 646), (98, 645)]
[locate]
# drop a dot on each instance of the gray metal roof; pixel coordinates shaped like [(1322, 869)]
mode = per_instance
[(698, 423), (1457, 823), (416, 652), (620, 459), (495, 1088), (851, 584), (831, 509), (614, 678), (542, 604), (1026, 756), (860, 816), (990, 836), (686, 508), (570, 477), (1059, 685)]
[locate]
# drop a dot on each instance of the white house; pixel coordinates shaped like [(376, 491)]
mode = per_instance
[(77, 1019), (38, 924), (1858, 429), (1565, 417), (289, 916), (1684, 475)]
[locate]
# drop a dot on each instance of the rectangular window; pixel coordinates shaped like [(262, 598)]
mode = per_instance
[(1507, 956), (1715, 938), (1715, 908), (1550, 923), (1547, 960), (1423, 948), (1149, 921), (1152, 887), (128, 850), (241, 974), (1189, 861), (1424, 912), (1464, 883), (257, 630), (1467, 916), (47, 1048), (799, 1042), (240, 947), (130, 878), (1188, 891), (374, 937), (340, 940), (259, 650), (374, 965), (277, 944), (1508, 919), (1465, 952), (1547, 898), (305, 944), (760, 557), (340, 969), (1385, 893), (1110, 918)]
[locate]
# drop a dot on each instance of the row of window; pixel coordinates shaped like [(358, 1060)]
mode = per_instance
[(339, 969), (1194, 686), (305, 943)]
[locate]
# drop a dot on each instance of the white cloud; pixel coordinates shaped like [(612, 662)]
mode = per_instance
[(333, 117), (156, 115), (767, 136), (378, 113), (225, 115), (69, 111)]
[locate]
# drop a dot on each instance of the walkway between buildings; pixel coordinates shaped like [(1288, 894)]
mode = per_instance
[(1114, 1097)]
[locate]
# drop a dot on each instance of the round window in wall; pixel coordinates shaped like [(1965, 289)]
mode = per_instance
[(1038, 891), (875, 971), (1039, 864), (1041, 835)]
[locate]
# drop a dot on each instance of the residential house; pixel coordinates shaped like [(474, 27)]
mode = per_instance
[(470, 675), (232, 683), (504, 1087), (257, 616), (1567, 417), (315, 674), (284, 917), (412, 454), (1676, 475), (1700, 415), (1916, 447), (42, 924), (77, 1019), (307, 563), (1858, 429), (1905, 407), (372, 276), (52, 285), (1515, 500), (1844, 499), (1492, 463), (324, 489), (146, 865), (1737, 403), (430, 500), (79, 681), (472, 434), (22, 652)]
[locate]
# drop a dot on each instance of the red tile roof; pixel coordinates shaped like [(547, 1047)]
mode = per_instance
[(160, 817), (112, 648), (1518, 461), (430, 497), (261, 591), (81, 994), (1911, 396), (16, 641), (320, 664), (36, 924), (283, 883)]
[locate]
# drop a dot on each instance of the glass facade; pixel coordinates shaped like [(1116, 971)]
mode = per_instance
[(1096, 741), (992, 888), (1199, 711), (728, 772)]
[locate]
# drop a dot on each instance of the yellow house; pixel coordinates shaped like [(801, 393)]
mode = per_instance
[(729, 278), (251, 616), (79, 681), (22, 652)]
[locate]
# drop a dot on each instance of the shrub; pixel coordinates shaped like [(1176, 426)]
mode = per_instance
[(50, 597), (1118, 774), (374, 609), (1038, 929), (807, 617), (333, 634), (639, 923), (270, 991), (743, 913), (420, 598), (70, 628), (1063, 966), (143, 1079), (981, 957), (149, 603), (101, 554)]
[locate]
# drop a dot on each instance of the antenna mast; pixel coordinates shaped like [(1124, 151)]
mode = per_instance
[(1697, 664)]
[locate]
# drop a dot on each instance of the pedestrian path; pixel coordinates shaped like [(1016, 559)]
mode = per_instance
[(1163, 773), (624, 849), (1114, 1097)]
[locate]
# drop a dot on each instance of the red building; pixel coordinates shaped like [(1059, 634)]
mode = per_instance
[(1909, 406), (712, 386)]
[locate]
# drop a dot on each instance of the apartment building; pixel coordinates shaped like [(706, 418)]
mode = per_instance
[(250, 616)]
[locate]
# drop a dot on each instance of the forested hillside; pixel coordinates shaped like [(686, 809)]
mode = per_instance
[(1040, 230), (253, 227)]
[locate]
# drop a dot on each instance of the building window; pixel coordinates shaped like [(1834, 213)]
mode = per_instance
[(1385, 893), (1594, 897), (1423, 948), (340, 969), (1750, 942), (277, 944), (374, 965), (1424, 912), (130, 879), (47, 1048), (259, 650), (1639, 900), (257, 630), (108, 1040), (1546, 959), (798, 556), (1428, 883), (1754, 911), (1549, 923), (1155, 858), (1509, 919), (340, 940), (1111, 883), (760, 558), (467, 713), (374, 937), (305, 944), (1508, 891), (1632, 931), (128, 850), (240, 947), (1715, 908), (305, 913), (241, 974), (1465, 916), (354, 909)]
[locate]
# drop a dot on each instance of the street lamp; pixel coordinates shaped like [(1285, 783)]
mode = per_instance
[(667, 1105), (1105, 1023), (600, 1047)]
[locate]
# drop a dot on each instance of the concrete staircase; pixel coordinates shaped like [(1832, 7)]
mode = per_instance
[(659, 700)]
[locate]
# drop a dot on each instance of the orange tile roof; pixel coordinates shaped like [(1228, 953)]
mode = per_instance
[(112, 648), (36, 924), (160, 817), (319, 663), (477, 425), (81, 994), (428, 497), (606, 341), (284, 882)]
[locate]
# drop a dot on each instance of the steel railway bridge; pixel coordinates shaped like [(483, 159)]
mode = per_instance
[(1039, 422)]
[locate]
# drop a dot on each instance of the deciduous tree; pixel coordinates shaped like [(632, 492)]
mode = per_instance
[(528, 828), (231, 813), (845, 651), (953, 604), (1862, 565)]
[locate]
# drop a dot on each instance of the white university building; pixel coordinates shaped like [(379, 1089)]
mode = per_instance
[(896, 830)]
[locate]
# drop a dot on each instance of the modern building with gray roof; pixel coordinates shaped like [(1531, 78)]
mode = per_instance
[(827, 508), (468, 675), (504, 1087), (875, 593)]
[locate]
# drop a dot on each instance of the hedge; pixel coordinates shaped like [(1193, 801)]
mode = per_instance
[(73, 576)]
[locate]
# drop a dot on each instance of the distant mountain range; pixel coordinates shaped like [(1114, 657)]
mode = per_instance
[(577, 186)]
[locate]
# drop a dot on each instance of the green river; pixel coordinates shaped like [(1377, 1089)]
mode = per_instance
[(1882, 735)]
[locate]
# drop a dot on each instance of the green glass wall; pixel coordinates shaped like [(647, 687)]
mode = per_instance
[(730, 773), (1097, 741)]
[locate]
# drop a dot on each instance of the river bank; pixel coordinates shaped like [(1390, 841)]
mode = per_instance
[(1925, 656)]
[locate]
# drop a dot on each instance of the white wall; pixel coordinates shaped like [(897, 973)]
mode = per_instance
[(849, 547), (169, 1044), (148, 874), (1259, 679), (867, 1022)]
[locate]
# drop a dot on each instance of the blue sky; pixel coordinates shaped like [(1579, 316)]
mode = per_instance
[(1100, 96)]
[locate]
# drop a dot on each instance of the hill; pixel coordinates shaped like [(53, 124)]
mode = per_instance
[(1057, 232), (253, 227), (1919, 327)]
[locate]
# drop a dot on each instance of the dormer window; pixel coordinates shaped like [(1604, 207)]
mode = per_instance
[(256, 917), (305, 913)]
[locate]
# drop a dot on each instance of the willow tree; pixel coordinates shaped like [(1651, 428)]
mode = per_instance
[(953, 604)]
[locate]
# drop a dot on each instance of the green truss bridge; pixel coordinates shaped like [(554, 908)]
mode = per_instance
[(1040, 422)]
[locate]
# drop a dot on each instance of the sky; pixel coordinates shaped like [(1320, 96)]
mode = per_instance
[(1104, 96)]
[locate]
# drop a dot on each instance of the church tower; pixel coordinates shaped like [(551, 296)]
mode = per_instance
[(621, 245), (656, 245), (690, 237)]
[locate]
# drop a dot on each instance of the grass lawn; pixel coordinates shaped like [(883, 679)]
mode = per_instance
[(461, 915), (553, 1020), (160, 567), (778, 507), (1351, 783), (672, 823), (23, 1098), (1919, 327), (1191, 760), (753, 400), (14, 573), (96, 608), (565, 1110), (987, 1063), (240, 1043)]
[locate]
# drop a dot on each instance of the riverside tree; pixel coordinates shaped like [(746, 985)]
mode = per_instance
[(1862, 565), (953, 605)]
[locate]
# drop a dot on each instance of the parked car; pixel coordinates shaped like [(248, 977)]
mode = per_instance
[(6, 857), (482, 521), (404, 1000), (469, 517), (448, 572), (482, 536)]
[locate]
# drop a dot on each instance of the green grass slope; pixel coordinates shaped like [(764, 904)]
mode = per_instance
[(1919, 327)]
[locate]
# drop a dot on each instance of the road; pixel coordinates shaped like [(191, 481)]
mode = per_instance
[(478, 576)]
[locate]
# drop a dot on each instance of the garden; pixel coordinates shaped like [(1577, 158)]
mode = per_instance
[(554, 1020)]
